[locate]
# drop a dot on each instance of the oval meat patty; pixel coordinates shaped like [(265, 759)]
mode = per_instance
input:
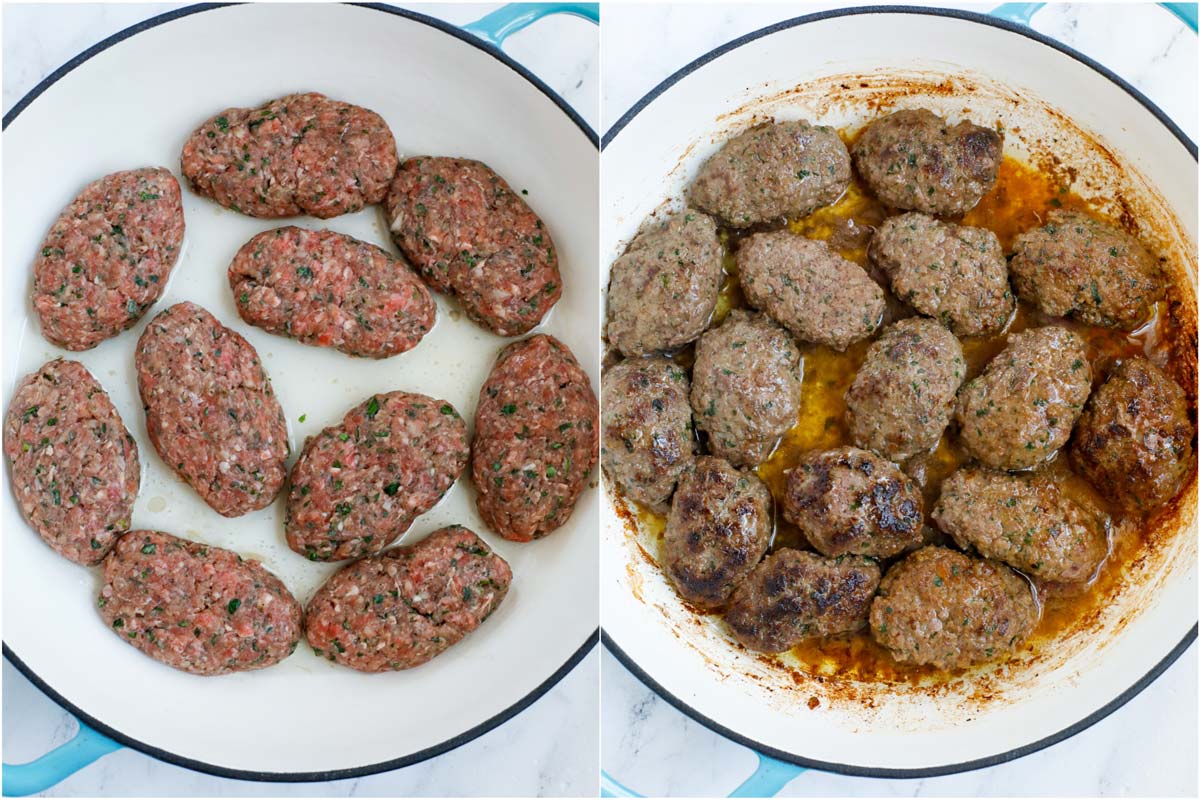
[(794, 595), (197, 608), (718, 528), (1134, 439), (810, 289), (472, 236), (210, 410), (847, 500), (358, 485), (1024, 520), (107, 257), (299, 154), (328, 289), (647, 440), (75, 470), (943, 608), (664, 287), (953, 273), (1079, 266), (535, 439), (903, 395), (915, 160), (746, 387), (1021, 409), (773, 170), (401, 608)]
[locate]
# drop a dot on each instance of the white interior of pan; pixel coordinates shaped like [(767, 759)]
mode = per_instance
[(134, 104), (1019, 82)]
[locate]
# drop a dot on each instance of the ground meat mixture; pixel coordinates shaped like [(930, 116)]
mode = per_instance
[(107, 257), (718, 528), (535, 440), (664, 288), (300, 154), (407, 605), (472, 236), (75, 471), (328, 289), (200, 609), (359, 485), (210, 410)]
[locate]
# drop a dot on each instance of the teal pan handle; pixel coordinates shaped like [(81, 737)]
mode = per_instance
[(507, 20), (1022, 13), (768, 779), (58, 764)]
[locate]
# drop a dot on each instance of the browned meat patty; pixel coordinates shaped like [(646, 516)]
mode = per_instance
[(210, 410), (809, 288), (1024, 520), (359, 485), (746, 387), (107, 257), (472, 236), (943, 608), (646, 441), (1079, 266), (407, 605), (328, 289), (535, 439), (847, 500), (718, 529), (953, 273), (664, 288), (1134, 440), (299, 154), (794, 595), (1020, 410), (75, 470), (773, 170), (200, 609), (903, 395), (915, 160)]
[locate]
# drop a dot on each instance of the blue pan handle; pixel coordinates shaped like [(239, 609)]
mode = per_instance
[(768, 779), (58, 764), (507, 20)]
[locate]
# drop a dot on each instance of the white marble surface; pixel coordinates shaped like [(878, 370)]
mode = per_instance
[(1149, 746), (551, 748)]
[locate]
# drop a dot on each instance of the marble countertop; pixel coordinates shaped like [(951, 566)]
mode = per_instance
[(557, 756), (1148, 747)]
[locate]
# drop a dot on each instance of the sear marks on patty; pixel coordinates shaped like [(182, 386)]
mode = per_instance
[(953, 273), (848, 500), (916, 161), (646, 428), (746, 387), (794, 595), (107, 257), (773, 170), (299, 154), (197, 608), (470, 235), (359, 485), (210, 410), (809, 288), (903, 395), (664, 287), (330, 290), (1024, 520), (1134, 439), (407, 605), (535, 439), (949, 610), (1079, 266), (718, 528), (75, 470), (1020, 410)]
